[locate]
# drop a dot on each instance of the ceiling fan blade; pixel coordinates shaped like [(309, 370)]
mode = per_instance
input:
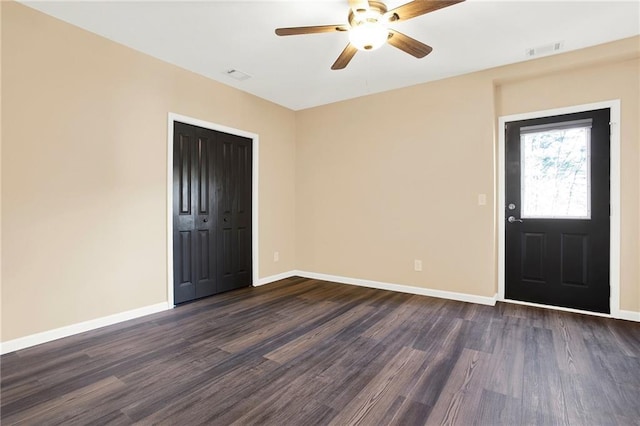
[(311, 30), (417, 8), (407, 44), (344, 58), (359, 5)]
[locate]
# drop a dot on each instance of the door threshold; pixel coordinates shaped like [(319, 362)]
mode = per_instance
[(557, 308)]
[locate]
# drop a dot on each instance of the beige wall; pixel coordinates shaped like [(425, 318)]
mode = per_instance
[(359, 188), (84, 171), (386, 179), (389, 178)]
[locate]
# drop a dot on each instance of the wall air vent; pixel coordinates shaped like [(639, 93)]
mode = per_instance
[(238, 75), (544, 50)]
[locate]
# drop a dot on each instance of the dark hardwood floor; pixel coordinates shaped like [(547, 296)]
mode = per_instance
[(305, 352)]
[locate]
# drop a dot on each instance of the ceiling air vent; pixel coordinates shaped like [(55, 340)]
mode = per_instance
[(238, 75), (543, 50)]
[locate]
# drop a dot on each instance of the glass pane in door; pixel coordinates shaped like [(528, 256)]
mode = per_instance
[(555, 172)]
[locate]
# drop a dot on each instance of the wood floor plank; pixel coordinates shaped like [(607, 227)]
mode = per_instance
[(622, 398), (82, 402), (357, 366), (506, 366), (427, 387), (627, 338), (311, 352), (443, 332), (278, 406), (269, 330), (410, 413), (20, 390), (401, 314), (570, 348), (378, 396), (19, 372), (463, 391), (542, 387), (497, 409), (80, 379), (585, 402), (193, 404), (288, 351)]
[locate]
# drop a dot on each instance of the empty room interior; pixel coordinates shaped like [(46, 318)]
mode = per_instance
[(320, 212)]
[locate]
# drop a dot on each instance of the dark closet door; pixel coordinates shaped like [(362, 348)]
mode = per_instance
[(211, 212), (194, 213), (234, 211)]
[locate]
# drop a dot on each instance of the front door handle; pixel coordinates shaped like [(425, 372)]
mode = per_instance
[(512, 219)]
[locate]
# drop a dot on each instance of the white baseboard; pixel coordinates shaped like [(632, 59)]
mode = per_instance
[(441, 294), (274, 278), (81, 327), (627, 315)]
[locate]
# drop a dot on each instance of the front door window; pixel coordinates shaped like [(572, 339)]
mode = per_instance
[(555, 170)]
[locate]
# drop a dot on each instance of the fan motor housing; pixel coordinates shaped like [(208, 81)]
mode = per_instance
[(376, 11)]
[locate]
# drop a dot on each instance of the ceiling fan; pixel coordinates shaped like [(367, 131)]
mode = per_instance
[(368, 27)]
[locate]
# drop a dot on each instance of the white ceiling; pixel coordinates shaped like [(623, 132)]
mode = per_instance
[(211, 37)]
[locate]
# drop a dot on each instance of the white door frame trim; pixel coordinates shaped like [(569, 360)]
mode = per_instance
[(614, 257), (172, 118)]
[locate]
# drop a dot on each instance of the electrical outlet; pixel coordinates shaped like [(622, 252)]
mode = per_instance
[(276, 256), (417, 265), (482, 199)]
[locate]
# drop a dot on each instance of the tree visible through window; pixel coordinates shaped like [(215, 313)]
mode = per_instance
[(555, 173)]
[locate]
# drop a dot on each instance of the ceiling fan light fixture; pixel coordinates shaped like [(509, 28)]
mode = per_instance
[(368, 27), (368, 35)]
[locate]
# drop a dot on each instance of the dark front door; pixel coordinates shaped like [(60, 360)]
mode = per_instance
[(557, 211), (211, 212)]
